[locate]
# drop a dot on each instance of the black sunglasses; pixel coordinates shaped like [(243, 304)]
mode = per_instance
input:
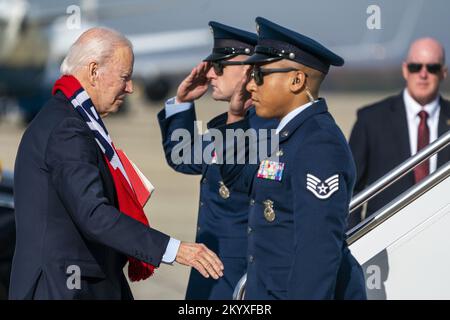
[(258, 73), (432, 68), (218, 66)]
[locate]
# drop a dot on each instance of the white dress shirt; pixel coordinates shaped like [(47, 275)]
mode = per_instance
[(171, 251), (291, 115), (173, 108), (412, 114)]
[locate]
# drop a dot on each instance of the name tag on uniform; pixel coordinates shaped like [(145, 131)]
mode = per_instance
[(271, 170)]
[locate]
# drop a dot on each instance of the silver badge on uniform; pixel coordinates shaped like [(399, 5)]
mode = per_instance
[(223, 190), (269, 212), (322, 189)]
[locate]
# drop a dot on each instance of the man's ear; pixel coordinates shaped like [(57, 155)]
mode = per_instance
[(297, 82), (405, 70), (93, 73), (444, 72)]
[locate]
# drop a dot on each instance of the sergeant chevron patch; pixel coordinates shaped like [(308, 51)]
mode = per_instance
[(322, 189)]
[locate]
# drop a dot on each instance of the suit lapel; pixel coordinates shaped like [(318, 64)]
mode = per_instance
[(108, 182), (443, 127), (400, 127)]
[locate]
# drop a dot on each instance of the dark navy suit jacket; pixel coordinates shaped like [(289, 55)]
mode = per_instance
[(66, 214), (380, 141), (300, 252), (222, 223)]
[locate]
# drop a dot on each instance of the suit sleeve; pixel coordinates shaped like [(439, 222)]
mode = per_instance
[(71, 159), (183, 145), (359, 146), (319, 218)]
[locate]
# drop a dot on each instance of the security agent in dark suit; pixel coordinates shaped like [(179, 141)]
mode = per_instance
[(390, 131), (223, 212), (300, 195), (66, 197)]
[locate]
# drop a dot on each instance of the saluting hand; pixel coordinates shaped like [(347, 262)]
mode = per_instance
[(194, 85), (241, 99), (197, 255)]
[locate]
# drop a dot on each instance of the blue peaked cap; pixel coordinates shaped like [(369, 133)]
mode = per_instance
[(230, 42), (276, 42)]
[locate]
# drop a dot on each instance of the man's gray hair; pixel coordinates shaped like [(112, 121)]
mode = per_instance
[(96, 44)]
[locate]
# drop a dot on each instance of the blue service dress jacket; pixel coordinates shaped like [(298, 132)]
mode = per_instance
[(298, 214), (222, 213), (66, 215)]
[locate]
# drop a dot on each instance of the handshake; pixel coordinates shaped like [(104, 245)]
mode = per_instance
[(198, 256)]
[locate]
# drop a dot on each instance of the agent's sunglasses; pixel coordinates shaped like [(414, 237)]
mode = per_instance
[(258, 73), (433, 68), (218, 66)]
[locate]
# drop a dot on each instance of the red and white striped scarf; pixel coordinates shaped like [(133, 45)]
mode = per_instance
[(128, 201)]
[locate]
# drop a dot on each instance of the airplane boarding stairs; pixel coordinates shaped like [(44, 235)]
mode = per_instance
[(405, 249)]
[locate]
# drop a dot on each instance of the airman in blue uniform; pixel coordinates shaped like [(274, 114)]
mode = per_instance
[(300, 194), (223, 212)]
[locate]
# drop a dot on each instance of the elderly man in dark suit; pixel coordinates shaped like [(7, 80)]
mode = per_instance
[(388, 132), (77, 214)]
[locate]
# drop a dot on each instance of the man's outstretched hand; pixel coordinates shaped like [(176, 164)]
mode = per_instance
[(194, 85), (198, 256)]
